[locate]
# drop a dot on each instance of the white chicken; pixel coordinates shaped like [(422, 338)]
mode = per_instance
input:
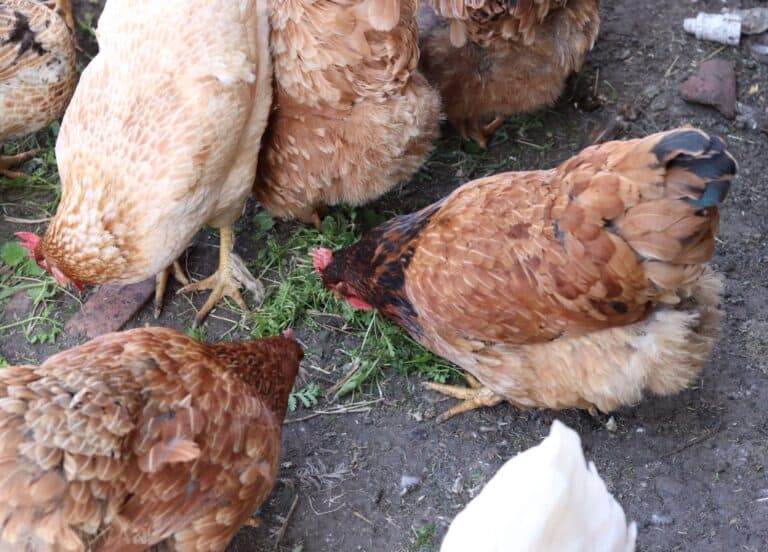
[(546, 498)]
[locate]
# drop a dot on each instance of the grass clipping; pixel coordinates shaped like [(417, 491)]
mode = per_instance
[(295, 295)]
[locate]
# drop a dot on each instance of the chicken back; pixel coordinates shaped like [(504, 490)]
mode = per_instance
[(141, 438), (579, 286)]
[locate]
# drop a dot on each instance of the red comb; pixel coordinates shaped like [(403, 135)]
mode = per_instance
[(288, 332), (28, 240), (321, 258)]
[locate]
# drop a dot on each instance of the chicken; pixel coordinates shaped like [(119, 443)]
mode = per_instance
[(353, 116), (37, 70), (581, 286), (140, 438), (161, 137), (536, 502), (491, 58)]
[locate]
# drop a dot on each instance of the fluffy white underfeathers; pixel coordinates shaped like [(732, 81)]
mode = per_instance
[(546, 498)]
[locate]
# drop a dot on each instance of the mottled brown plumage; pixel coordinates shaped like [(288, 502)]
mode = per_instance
[(37, 69), (582, 285), (491, 58), (140, 438), (352, 114)]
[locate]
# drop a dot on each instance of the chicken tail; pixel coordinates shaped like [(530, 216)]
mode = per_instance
[(660, 194)]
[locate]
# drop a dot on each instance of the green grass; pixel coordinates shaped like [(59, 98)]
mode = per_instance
[(424, 537), (295, 295)]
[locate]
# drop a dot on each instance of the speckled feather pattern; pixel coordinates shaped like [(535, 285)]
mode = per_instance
[(352, 116), (162, 135), (583, 285), (37, 66), (491, 57), (140, 438)]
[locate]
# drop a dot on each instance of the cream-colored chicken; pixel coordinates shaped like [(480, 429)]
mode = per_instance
[(161, 137), (37, 70), (352, 116), (546, 498)]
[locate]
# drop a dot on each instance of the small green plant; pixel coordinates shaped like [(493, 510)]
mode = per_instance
[(424, 536), (3, 362), (307, 396), (199, 333)]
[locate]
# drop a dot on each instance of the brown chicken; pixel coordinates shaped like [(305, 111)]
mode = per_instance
[(141, 438), (161, 138), (352, 115), (37, 70), (491, 58), (581, 286)]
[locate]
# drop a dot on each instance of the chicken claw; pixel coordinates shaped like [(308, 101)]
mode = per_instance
[(474, 396), (227, 280), (161, 281), (9, 161)]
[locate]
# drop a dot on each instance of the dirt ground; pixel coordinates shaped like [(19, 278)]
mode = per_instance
[(689, 468)]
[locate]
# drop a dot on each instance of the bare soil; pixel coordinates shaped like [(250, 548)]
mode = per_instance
[(689, 468)]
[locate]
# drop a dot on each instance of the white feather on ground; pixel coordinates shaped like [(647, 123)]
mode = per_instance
[(546, 498)]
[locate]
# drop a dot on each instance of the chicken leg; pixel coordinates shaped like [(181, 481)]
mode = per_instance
[(227, 280), (475, 396), (7, 162), (161, 281)]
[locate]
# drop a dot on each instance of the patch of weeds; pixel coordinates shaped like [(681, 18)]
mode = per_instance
[(424, 537), (3, 362), (19, 273), (307, 396), (199, 333)]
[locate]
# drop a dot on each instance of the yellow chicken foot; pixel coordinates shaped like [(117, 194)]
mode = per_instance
[(161, 281), (227, 280), (9, 161), (475, 396)]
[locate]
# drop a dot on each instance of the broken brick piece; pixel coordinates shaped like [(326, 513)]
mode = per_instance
[(713, 84), (110, 308)]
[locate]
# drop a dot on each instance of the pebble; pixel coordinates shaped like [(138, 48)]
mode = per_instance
[(714, 83)]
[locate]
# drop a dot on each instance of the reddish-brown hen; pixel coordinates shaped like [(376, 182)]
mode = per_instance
[(352, 114), (141, 438), (491, 58), (580, 286)]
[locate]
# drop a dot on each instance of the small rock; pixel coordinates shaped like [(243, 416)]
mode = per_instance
[(18, 307), (458, 484), (610, 425), (713, 84), (659, 104), (110, 308), (624, 54), (749, 116), (651, 91), (408, 483), (659, 520), (760, 52)]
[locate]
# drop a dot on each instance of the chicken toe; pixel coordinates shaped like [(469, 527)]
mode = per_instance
[(231, 275), (7, 162), (161, 281), (474, 396)]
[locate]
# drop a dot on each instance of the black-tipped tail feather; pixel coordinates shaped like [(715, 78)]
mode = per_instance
[(703, 163)]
